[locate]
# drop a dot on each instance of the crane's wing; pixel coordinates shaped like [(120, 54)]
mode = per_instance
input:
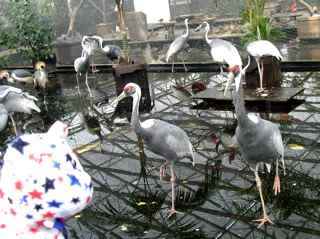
[(263, 48), (167, 139), (225, 52), (5, 90), (175, 46)]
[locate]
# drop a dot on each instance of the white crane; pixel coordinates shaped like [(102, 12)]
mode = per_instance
[(259, 49)]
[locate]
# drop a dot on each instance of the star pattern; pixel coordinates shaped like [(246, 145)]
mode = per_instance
[(68, 158), (55, 204), (38, 207), (50, 190), (35, 194), (19, 144), (24, 199), (75, 200), (49, 184), (56, 164), (74, 180)]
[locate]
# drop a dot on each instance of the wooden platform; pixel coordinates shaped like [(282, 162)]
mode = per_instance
[(279, 101)]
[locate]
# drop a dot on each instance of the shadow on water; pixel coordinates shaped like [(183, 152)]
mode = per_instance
[(217, 198)]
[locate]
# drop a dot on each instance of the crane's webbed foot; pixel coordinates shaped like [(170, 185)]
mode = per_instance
[(173, 212), (262, 92), (276, 185), (265, 219)]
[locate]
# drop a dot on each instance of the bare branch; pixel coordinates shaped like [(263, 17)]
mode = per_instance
[(96, 7), (72, 15), (311, 9)]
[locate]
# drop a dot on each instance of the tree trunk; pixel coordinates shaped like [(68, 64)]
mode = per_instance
[(72, 16), (120, 15)]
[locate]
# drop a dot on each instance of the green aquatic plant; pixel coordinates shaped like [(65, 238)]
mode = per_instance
[(258, 26)]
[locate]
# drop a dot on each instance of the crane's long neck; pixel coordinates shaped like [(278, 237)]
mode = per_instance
[(187, 30), (135, 119), (207, 34), (238, 101)]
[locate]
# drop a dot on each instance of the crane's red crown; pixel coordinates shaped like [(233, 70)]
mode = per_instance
[(128, 89)]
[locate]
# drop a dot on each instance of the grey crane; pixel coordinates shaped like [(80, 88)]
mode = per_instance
[(259, 141), (89, 44), (162, 138), (12, 100), (92, 44), (221, 51), (178, 45), (259, 49), (81, 66)]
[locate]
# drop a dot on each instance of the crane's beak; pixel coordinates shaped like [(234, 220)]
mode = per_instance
[(119, 98)]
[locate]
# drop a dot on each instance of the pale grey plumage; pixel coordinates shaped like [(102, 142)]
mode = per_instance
[(221, 51), (161, 137), (178, 45), (259, 141), (15, 100)]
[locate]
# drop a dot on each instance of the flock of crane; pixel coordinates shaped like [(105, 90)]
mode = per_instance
[(259, 140)]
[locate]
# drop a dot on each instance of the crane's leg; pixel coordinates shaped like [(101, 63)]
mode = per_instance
[(14, 125), (276, 184), (162, 171), (87, 84), (283, 165), (172, 66), (265, 218), (78, 85), (260, 75), (184, 65), (172, 211)]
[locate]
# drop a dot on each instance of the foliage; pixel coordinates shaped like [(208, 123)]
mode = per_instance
[(259, 26), (27, 30)]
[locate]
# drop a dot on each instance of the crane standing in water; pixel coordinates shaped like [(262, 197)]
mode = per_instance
[(162, 138), (178, 45), (259, 141)]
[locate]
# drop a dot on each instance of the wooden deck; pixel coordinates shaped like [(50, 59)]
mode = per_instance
[(281, 100)]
